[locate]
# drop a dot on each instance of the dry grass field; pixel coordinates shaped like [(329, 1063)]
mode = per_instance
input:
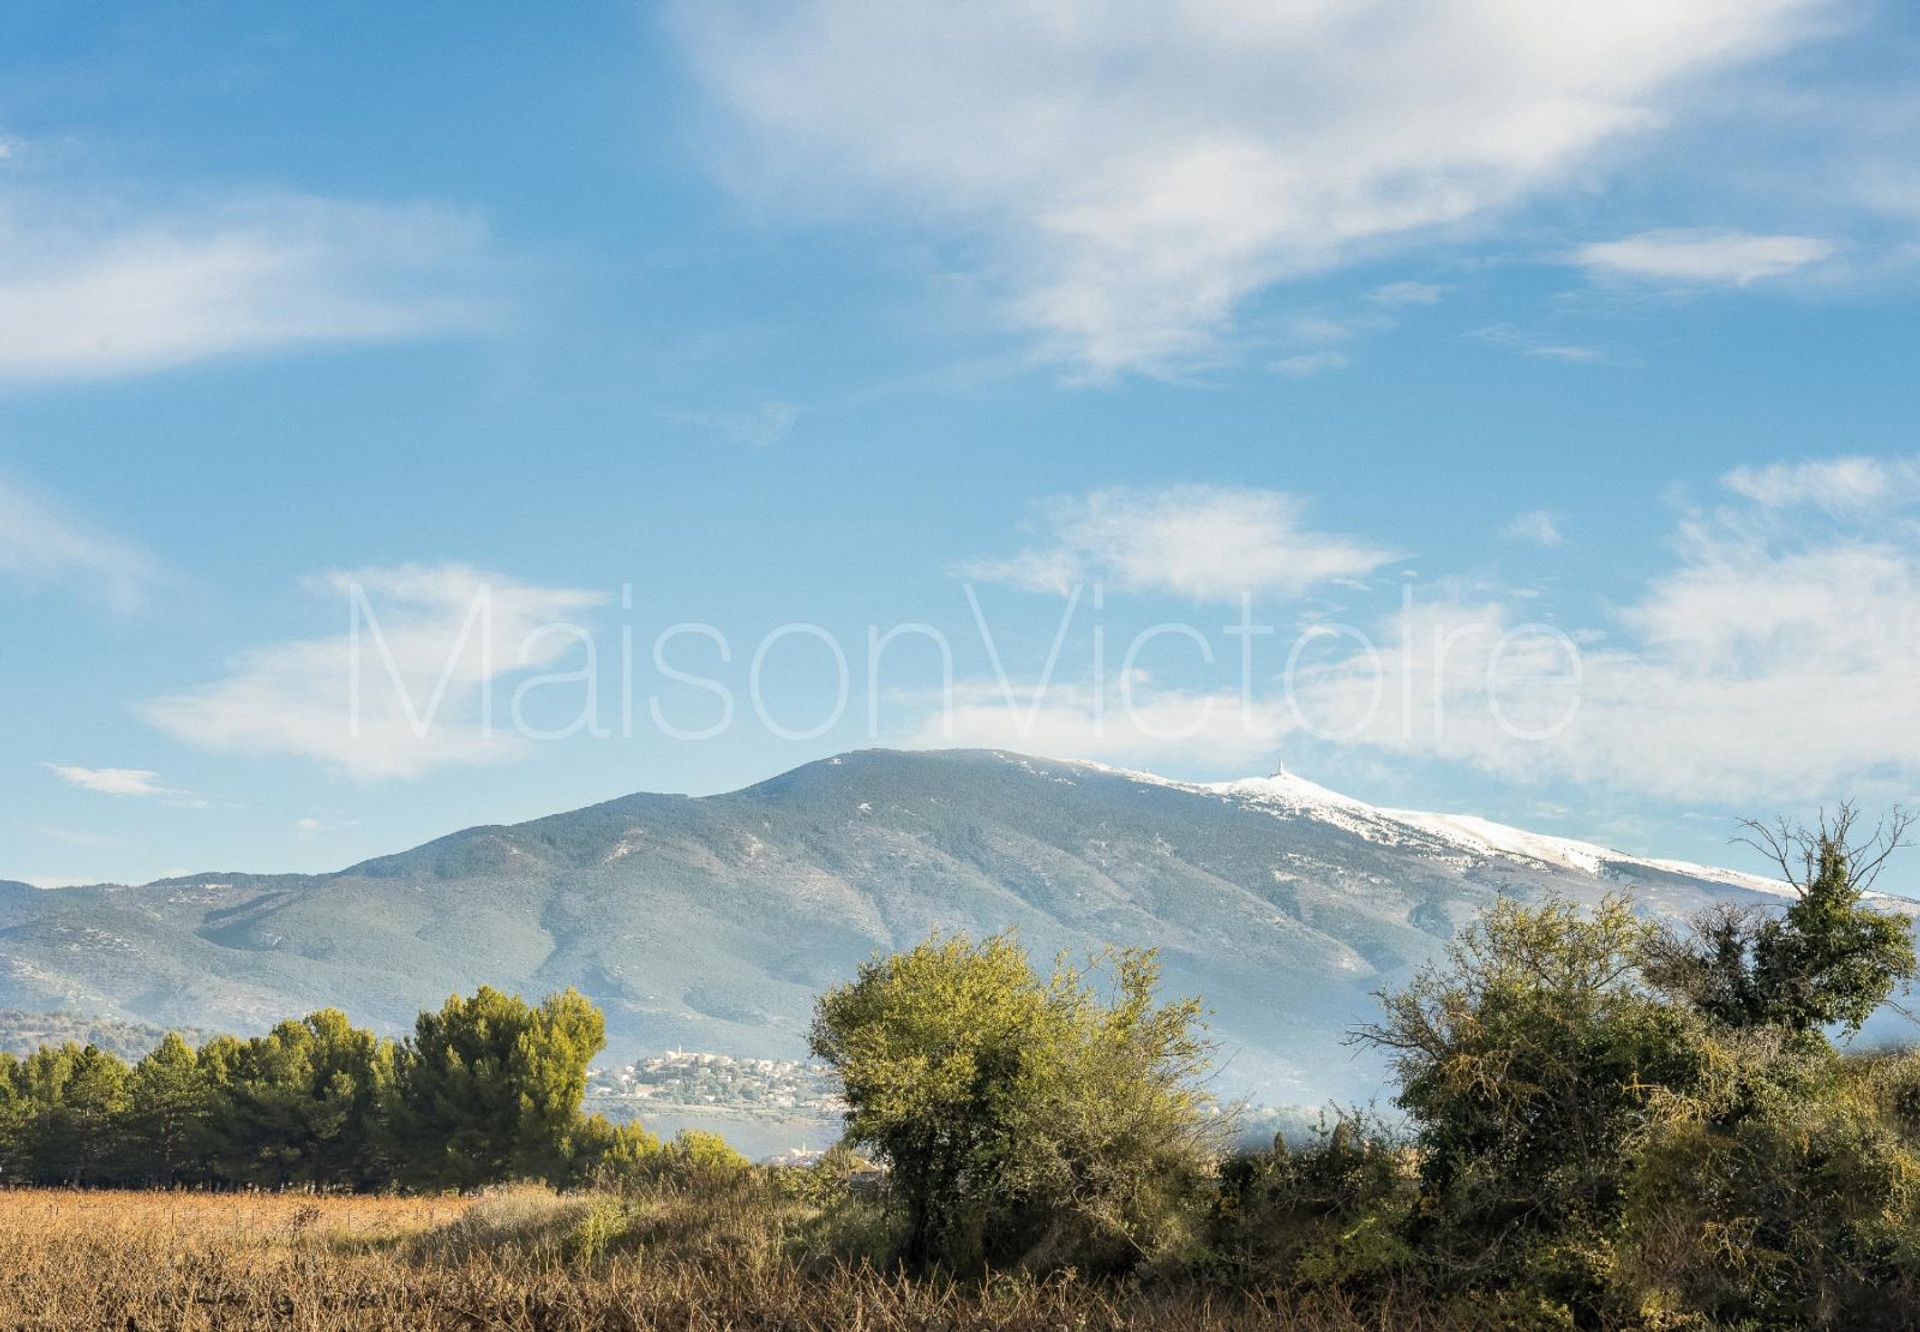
[(137, 1261)]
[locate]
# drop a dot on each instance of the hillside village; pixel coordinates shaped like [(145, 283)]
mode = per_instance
[(704, 1078)]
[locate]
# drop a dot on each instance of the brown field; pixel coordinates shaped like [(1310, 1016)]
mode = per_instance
[(135, 1261)]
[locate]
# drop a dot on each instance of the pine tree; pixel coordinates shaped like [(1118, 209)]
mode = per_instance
[(163, 1136), (302, 1104), (76, 1101), (489, 1088)]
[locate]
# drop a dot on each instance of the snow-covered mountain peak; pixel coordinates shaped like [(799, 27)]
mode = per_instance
[(1466, 834), (1454, 836)]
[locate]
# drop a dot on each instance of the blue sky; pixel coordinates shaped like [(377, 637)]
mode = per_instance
[(1580, 337)]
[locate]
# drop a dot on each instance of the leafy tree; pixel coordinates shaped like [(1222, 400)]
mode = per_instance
[(168, 1099), (490, 1088), (1526, 1060), (16, 1117), (1022, 1119), (1828, 960)]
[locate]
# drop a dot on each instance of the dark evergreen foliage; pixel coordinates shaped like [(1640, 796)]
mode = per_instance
[(488, 1090)]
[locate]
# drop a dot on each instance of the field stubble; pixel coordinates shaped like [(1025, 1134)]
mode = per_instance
[(135, 1261)]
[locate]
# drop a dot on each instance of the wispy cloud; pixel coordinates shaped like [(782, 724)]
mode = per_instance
[(1203, 542), (1139, 176), (1406, 293), (1538, 526), (139, 783), (1323, 340), (1725, 258), (312, 826), (1308, 364), (430, 641), (1525, 342), (93, 297), (112, 781), (73, 837), (1773, 659), (757, 427), (1571, 353), (1132, 721), (41, 545), (1850, 485), (1770, 660)]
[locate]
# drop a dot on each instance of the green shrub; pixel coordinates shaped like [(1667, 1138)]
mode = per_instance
[(1332, 1213), (1781, 1195), (1890, 1082), (612, 1157), (1025, 1121), (696, 1154), (1528, 1061)]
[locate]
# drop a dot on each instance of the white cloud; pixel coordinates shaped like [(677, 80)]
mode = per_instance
[(74, 836), (1538, 526), (1525, 343), (312, 826), (1406, 293), (112, 781), (1770, 665), (41, 545), (1849, 485), (1728, 258), (1320, 329), (1570, 352), (1308, 364), (1204, 542), (85, 298), (444, 629), (1137, 171)]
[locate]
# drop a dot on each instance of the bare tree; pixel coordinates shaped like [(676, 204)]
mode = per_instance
[(1828, 959), (1802, 852)]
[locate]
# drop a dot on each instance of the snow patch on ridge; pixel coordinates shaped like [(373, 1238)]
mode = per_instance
[(1463, 836), (1484, 837)]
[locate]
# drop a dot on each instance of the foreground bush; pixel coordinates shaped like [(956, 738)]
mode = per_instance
[(1330, 1215), (1778, 1193), (1527, 1061), (1026, 1121)]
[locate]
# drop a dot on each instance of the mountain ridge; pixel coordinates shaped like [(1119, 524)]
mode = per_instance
[(710, 922)]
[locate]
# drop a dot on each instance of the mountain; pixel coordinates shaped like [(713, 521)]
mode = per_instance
[(710, 923), (23, 1033)]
